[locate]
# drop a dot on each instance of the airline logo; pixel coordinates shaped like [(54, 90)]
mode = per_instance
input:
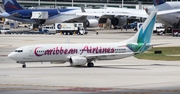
[(38, 51), (40, 15), (59, 26)]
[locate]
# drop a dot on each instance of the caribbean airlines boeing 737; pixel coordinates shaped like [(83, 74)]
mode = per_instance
[(81, 54)]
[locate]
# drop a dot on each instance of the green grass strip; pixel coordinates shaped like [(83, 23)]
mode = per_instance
[(168, 54)]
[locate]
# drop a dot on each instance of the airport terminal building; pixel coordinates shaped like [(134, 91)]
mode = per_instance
[(86, 3)]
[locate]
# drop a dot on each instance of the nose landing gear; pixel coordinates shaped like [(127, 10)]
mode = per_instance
[(24, 65)]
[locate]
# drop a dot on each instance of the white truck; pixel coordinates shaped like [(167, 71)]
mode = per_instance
[(158, 27), (4, 30), (70, 28)]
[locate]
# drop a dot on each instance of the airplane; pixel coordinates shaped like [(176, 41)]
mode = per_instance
[(118, 16), (15, 12), (168, 13), (82, 54)]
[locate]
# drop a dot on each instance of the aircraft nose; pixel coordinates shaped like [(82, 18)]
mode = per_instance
[(12, 55)]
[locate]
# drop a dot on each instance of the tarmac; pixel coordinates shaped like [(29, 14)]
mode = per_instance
[(123, 76)]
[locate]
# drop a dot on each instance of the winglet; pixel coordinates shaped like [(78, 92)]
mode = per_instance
[(67, 41)]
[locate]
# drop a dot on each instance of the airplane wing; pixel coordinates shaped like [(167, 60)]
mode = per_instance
[(79, 17), (168, 11), (98, 56), (75, 19), (109, 15)]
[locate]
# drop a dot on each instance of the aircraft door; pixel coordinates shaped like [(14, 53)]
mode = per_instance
[(30, 52)]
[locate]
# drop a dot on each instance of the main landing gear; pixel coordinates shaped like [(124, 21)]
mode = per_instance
[(90, 64), (24, 66)]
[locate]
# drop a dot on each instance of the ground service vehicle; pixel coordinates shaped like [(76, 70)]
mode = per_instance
[(4, 30), (70, 28)]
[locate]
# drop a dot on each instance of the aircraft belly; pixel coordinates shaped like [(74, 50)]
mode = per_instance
[(114, 57), (49, 58), (169, 19)]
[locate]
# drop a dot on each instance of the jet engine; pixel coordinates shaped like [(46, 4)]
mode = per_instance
[(77, 60), (92, 23), (119, 21)]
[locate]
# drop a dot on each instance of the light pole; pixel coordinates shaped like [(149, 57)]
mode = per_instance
[(72, 3), (122, 3), (55, 3), (39, 2)]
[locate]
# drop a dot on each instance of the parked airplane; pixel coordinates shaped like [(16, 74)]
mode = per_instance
[(168, 13), (15, 12), (118, 16), (81, 54)]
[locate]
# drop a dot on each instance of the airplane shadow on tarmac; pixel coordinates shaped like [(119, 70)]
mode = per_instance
[(85, 67), (128, 67)]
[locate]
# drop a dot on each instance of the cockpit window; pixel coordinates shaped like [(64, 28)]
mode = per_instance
[(19, 51)]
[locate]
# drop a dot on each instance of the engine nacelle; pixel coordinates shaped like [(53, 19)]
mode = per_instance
[(119, 21), (77, 60), (92, 23)]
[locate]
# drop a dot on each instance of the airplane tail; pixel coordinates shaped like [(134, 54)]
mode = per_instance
[(158, 2), (11, 5), (140, 42)]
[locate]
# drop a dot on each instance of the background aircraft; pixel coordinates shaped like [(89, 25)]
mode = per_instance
[(81, 54), (118, 16), (168, 12), (15, 12)]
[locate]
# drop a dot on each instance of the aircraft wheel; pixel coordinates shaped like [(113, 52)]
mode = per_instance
[(68, 33), (90, 64), (23, 66)]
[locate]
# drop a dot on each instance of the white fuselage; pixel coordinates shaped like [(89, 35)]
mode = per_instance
[(66, 16), (168, 19), (61, 52), (71, 15)]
